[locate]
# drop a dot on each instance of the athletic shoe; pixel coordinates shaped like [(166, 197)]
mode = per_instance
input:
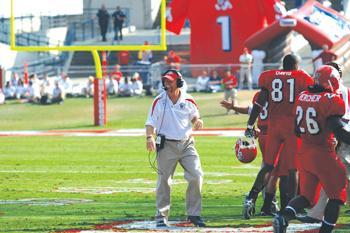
[(248, 208), (279, 224), (196, 220), (307, 219), (161, 222)]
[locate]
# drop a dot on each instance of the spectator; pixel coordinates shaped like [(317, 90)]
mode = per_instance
[(123, 58), (88, 90), (125, 88), (9, 91), (66, 84), (246, 60), (58, 94), (325, 56), (112, 86), (258, 65), (145, 55), (34, 79), (230, 88), (103, 20), (118, 17), (117, 74), (14, 79), (136, 85), (215, 82), (172, 60), (20, 90), (45, 90), (33, 92), (202, 84)]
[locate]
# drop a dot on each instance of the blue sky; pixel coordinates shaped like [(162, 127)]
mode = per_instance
[(41, 7)]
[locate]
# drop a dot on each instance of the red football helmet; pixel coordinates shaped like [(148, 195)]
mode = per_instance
[(328, 77), (246, 150)]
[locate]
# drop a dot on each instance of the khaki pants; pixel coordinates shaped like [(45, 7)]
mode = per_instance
[(182, 152), (318, 210), (230, 93), (245, 72)]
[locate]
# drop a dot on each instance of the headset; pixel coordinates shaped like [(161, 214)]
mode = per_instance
[(179, 81)]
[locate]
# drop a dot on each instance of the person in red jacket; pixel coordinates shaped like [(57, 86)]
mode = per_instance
[(230, 83), (172, 60)]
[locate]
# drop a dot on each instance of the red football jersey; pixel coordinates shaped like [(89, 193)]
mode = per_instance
[(219, 28), (263, 115), (284, 87), (230, 82), (312, 111)]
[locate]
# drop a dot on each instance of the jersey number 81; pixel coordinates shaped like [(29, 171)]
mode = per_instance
[(277, 90)]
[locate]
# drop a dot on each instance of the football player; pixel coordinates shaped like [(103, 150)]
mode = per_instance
[(279, 88), (315, 214), (270, 204), (318, 117)]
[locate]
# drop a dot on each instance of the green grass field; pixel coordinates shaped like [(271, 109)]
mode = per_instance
[(123, 113), (109, 178)]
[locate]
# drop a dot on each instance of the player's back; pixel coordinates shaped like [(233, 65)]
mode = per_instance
[(283, 87), (312, 111)]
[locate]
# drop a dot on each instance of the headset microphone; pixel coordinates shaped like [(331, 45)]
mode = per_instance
[(165, 88)]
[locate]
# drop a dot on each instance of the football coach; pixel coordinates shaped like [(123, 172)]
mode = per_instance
[(168, 131)]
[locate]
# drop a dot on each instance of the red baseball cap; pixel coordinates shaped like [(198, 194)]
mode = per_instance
[(171, 76)]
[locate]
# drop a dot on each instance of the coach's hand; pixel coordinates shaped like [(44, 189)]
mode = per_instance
[(198, 124), (150, 144)]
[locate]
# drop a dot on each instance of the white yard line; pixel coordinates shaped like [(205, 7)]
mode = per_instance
[(113, 133)]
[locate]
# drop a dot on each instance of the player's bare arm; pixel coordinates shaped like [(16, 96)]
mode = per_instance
[(229, 105), (258, 105)]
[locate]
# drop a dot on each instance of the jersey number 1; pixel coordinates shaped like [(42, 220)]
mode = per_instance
[(225, 22)]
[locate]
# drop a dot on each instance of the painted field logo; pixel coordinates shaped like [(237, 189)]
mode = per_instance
[(185, 227)]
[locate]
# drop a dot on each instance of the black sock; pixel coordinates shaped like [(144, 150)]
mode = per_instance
[(289, 213), (268, 201), (292, 184), (298, 204), (253, 194), (283, 191), (331, 214), (326, 228)]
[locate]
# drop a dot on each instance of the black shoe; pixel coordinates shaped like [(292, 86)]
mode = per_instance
[(267, 212), (248, 208), (196, 220), (308, 219), (161, 222), (279, 224)]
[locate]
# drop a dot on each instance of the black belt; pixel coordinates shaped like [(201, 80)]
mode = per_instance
[(172, 140)]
